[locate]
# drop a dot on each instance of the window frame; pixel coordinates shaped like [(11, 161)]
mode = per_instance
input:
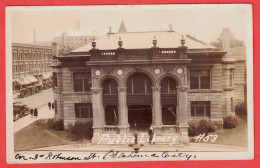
[(199, 78), (55, 79), (82, 80), (195, 104), (231, 77), (87, 106)]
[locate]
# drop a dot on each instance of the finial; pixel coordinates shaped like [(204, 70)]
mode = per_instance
[(120, 42), (94, 43), (170, 27), (182, 41), (154, 42)]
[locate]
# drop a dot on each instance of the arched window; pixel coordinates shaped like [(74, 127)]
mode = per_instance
[(139, 84), (110, 86), (168, 85)]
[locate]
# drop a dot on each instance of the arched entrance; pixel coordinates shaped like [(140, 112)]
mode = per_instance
[(139, 101), (110, 101), (169, 101)]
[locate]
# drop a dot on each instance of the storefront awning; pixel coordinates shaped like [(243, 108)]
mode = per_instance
[(22, 81), (31, 78)]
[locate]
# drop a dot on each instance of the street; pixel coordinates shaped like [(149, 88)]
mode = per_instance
[(40, 101)]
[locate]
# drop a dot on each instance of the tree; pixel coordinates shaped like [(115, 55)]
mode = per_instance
[(234, 42)]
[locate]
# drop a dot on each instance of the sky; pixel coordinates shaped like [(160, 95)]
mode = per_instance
[(205, 22)]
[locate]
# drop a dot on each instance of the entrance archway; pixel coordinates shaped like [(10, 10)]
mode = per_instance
[(139, 101), (169, 100), (110, 101), (140, 117)]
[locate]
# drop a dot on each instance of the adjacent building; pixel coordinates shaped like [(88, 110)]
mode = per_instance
[(31, 67), (132, 80)]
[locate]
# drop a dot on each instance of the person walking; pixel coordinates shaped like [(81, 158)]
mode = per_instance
[(49, 104), (151, 134), (52, 105), (36, 112), (31, 111)]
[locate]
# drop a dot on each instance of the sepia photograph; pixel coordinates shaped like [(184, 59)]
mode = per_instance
[(114, 83)]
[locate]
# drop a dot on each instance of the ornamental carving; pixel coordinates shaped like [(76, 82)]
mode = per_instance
[(122, 89), (182, 88), (96, 90), (156, 89)]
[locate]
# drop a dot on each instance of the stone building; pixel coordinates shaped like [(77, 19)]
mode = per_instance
[(131, 80), (31, 65)]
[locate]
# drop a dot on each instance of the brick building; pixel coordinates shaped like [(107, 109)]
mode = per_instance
[(31, 66), (137, 79)]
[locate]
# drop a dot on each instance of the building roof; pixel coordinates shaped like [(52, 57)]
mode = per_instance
[(142, 40), (122, 28)]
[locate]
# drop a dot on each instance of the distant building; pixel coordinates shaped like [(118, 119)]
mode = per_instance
[(31, 67), (72, 39)]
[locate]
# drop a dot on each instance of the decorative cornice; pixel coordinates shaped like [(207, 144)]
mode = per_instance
[(96, 90)]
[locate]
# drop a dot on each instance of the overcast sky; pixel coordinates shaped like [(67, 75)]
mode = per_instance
[(203, 21)]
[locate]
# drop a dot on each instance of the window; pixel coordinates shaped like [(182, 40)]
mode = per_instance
[(199, 79), (55, 80), (110, 87), (232, 104), (231, 77), (168, 85), (83, 110), (82, 81), (139, 84), (55, 106), (200, 109)]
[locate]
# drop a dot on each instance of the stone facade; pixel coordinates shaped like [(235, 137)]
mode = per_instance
[(202, 80)]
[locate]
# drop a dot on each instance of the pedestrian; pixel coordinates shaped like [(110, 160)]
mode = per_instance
[(31, 111), (49, 104), (151, 133), (52, 105), (35, 112)]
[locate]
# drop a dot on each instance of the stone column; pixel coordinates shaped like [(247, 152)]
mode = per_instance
[(98, 117), (122, 110), (182, 117), (157, 112)]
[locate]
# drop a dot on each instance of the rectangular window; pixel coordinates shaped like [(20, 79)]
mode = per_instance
[(200, 109), (55, 79), (55, 106), (232, 104), (231, 77), (83, 110), (199, 79), (82, 81)]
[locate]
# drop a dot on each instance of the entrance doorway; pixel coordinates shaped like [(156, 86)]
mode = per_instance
[(141, 116)]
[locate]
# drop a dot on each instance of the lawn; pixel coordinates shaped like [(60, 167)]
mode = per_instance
[(235, 136), (40, 134)]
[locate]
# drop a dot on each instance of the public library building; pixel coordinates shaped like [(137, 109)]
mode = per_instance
[(132, 80)]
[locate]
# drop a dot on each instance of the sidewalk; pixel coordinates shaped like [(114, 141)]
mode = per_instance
[(43, 113)]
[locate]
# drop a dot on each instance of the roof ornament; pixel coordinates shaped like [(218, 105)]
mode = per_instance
[(120, 42), (170, 27), (94, 44), (154, 42), (110, 29), (182, 41)]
